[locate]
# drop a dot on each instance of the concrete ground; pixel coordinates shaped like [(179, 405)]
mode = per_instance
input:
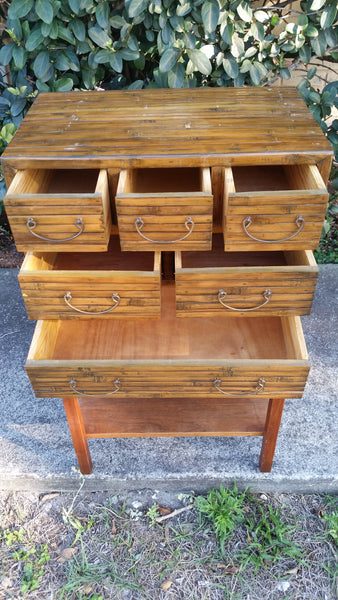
[(36, 450)]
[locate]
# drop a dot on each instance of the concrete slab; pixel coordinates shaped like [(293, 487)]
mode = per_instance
[(36, 451)]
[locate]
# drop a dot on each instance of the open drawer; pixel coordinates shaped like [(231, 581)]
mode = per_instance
[(170, 357), (110, 284), (234, 284), (59, 210), (165, 209), (273, 207)]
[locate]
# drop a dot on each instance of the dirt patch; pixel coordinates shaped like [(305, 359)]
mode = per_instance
[(100, 547)]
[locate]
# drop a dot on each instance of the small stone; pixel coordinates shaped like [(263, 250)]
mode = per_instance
[(283, 586)]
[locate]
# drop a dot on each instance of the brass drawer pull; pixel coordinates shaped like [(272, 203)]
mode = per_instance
[(300, 222), (31, 224), (72, 385), (259, 388), (267, 295), (189, 224), (115, 297)]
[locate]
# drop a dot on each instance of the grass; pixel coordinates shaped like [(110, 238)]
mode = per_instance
[(231, 545)]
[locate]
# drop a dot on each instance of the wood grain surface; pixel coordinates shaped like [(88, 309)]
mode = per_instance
[(184, 127)]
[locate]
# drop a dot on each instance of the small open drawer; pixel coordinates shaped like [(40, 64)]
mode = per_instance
[(110, 284), (165, 209), (234, 284), (169, 358), (61, 210), (273, 207)]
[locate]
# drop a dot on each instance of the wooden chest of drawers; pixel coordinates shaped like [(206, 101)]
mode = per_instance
[(143, 239)]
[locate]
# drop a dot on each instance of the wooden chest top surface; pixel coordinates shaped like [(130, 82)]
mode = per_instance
[(161, 127)]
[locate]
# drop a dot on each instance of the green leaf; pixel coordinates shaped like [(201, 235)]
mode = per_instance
[(17, 106), (6, 53), (319, 44), (251, 51), (311, 31), (255, 74), (136, 7), (176, 76), (41, 64), (183, 9), (317, 4), (237, 45), (117, 22), (19, 8), (311, 72), (62, 62), (88, 78), (102, 14), (78, 29), (305, 54), (244, 11), (66, 35), (168, 59), (75, 6), (44, 10), (99, 36), (261, 16), (128, 54), (230, 66), (19, 57), (285, 73), (257, 31), (314, 97), (65, 84), (116, 62), (328, 16), (210, 14), (73, 60), (136, 85), (200, 61)]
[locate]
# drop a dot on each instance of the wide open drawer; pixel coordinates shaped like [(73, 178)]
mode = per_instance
[(273, 207), (60, 211), (165, 209), (234, 284), (170, 357), (110, 284)]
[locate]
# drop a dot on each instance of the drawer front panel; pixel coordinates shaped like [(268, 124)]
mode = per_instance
[(245, 292), (58, 222), (275, 219), (165, 223), (169, 381), (48, 297)]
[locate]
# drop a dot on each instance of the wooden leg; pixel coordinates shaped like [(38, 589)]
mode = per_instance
[(272, 422), (77, 430)]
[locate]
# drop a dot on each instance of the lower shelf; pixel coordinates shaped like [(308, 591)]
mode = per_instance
[(103, 417)]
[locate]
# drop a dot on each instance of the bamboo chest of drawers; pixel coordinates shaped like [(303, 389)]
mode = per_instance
[(168, 238)]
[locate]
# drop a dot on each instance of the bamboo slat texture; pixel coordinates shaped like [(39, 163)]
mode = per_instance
[(200, 127)]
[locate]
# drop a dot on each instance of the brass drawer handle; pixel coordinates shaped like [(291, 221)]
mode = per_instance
[(259, 388), (189, 224), (267, 295), (31, 224), (73, 384), (300, 222), (115, 297)]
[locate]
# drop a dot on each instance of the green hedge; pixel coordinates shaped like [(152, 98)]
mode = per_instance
[(60, 45)]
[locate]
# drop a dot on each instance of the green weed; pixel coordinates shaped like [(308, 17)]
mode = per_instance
[(224, 508), (34, 561)]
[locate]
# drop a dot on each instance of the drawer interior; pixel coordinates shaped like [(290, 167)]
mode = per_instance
[(51, 181), (170, 338), (275, 178), (112, 260), (145, 181), (217, 258)]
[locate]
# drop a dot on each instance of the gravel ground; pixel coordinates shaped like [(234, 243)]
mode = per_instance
[(98, 546)]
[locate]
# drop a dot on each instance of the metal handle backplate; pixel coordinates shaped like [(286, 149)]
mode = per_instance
[(115, 297), (31, 224), (267, 295), (300, 222), (73, 387), (259, 388), (189, 225)]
